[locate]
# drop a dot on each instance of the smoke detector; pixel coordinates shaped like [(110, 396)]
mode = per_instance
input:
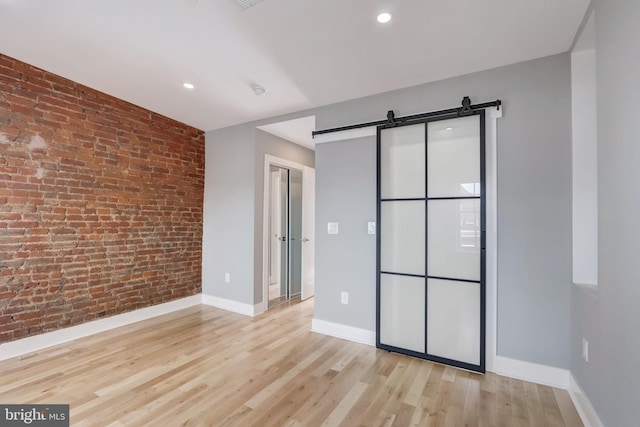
[(259, 90), (245, 4)]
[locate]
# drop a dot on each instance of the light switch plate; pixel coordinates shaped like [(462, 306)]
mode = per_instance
[(371, 227), (332, 228)]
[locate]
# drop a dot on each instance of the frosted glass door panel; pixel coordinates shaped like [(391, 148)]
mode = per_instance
[(454, 239), (453, 157), (453, 327), (430, 217), (402, 311), (402, 237), (402, 166)]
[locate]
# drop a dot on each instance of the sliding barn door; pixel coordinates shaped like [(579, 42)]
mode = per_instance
[(431, 216)]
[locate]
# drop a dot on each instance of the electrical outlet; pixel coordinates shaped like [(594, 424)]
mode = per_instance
[(227, 277), (344, 298), (332, 228), (585, 350)]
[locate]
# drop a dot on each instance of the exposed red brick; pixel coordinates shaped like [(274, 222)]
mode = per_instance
[(100, 204)]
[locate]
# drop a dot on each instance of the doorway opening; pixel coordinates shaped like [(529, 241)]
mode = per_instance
[(288, 232)]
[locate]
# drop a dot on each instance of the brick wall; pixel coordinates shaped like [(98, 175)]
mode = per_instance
[(100, 204)]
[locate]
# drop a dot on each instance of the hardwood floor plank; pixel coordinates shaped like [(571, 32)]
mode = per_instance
[(441, 405), (345, 405), (458, 395), (534, 406), (569, 413), (488, 400), (414, 395), (518, 403), (421, 414), (404, 415), (503, 399), (471, 410), (364, 405), (206, 367)]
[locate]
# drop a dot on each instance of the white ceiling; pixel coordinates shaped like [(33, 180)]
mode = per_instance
[(587, 39), (306, 53), (296, 130)]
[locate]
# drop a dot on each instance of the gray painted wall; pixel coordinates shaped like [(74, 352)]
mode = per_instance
[(232, 229), (228, 235), (346, 194), (534, 203), (610, 317)]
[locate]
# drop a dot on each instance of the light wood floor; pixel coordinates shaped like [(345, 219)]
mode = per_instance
[(207, 367)]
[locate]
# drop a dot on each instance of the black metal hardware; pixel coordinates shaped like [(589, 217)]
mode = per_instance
[(393, 121), (466, 107)]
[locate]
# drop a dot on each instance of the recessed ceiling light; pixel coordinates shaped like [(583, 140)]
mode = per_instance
[(188, 85), (449, 129), (384, 17)]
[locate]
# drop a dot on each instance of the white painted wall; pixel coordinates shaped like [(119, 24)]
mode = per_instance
[(584, 160)]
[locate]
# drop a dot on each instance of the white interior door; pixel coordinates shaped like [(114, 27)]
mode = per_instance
[(308, 232), (274, 228)]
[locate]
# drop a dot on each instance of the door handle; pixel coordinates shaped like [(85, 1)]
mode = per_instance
[(304, 240)]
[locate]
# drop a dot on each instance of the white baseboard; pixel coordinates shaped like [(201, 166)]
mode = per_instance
[(585, 409), (363, 336), (230, 305), (49, 339), (532, 372)]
